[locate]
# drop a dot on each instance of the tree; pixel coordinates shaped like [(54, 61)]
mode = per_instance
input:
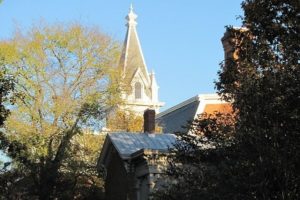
[(128, 121), (80, 177), (67, 78), (6, 97), (261, 79), (122, 120), (194, 163)]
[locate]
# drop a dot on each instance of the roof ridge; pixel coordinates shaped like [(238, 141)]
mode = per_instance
[(188, 101)]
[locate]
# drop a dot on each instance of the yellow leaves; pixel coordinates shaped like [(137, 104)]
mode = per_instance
[(90, 143), (125, 121), (63, 104), (59, 69), (34, 50), (7, 52), (24, 132)]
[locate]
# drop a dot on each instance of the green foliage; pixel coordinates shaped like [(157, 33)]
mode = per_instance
[(64, 77), (194, 163), (7, 95), (264, 83), (80, 177), (6, 88), (261, 79)]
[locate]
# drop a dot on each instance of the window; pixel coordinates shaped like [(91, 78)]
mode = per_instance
[(138, 90)]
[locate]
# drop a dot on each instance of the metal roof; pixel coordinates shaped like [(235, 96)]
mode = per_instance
[(173, 119), (173, 122), (128, 143)]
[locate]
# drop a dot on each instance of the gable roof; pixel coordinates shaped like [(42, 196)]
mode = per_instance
[(174, 120), (127, 144), (177, 116)]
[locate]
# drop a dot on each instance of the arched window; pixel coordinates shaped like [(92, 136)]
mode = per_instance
[(138, 90)]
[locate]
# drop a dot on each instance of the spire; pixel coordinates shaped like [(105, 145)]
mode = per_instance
[(132, 58), (154, 87), (131, 17), (135, 72)]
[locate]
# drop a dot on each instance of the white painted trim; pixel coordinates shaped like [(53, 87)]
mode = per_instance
[(143, 103), (208, 99), (129, 32), (176, 107), (126, 50), (142, 55), (141, 76), (203, 98)]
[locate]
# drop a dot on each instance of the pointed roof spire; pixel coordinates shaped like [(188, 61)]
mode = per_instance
[(131, 17), (132, 57), (131, 7), (134, 69)]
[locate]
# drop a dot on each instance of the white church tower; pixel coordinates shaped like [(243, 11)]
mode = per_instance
[(142, 90)]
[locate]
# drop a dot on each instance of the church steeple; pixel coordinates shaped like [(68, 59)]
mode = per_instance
[(131, 17), (142, 90), (132, 55)]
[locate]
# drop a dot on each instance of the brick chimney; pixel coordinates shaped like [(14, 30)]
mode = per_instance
[(229, 41), (149, 121)]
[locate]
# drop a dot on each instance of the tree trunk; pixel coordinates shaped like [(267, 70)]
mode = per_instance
[(50, 172)]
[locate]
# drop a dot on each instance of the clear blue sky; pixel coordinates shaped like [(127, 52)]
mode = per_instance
[(180, 39)]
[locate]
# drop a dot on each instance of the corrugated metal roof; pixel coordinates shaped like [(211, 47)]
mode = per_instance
[(128, 143)]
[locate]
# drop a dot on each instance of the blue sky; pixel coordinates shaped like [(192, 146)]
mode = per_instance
[(180, 39)]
